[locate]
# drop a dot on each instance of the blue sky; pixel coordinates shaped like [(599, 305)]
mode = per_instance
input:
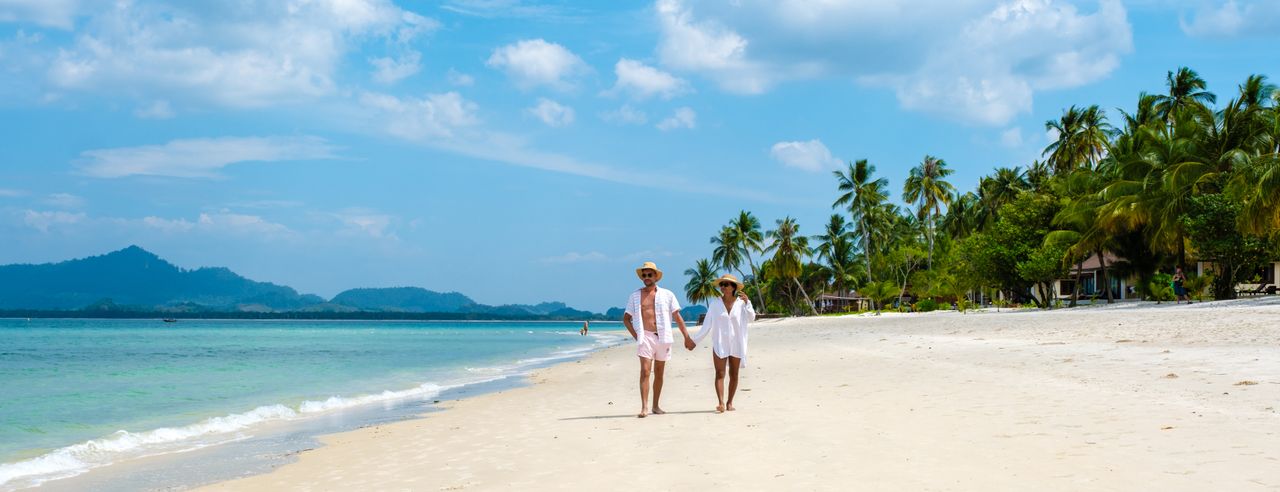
[(522, 151)]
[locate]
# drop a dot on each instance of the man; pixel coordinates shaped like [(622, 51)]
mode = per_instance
[(655, 307)]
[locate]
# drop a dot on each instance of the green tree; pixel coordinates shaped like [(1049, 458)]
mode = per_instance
[(836, 247), (749, 238), (861, 194), (701, 285), (1212, 225), (1186, 89), (789, 250), (928, 188)]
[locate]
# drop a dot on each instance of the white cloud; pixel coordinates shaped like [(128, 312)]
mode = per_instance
[(256, 54), (220, 222), (460, 79), (64, 200), (43, 220), (576, 257), (53, 13), (200, 157), (536, 62), (168, 225), (1011, 138), (688, 44), (552, 113), (241, 224), (365, 222), (11, 193), (625, 115), (158, 110), (1234, 18), (684, 117), (810, 156), (434, 116), (502, 8), (972, 60), (390, 70), (643, 81)]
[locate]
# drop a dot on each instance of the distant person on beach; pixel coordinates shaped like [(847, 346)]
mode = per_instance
[(654, 307), (1179, 290), (726, 322), (585, 327)]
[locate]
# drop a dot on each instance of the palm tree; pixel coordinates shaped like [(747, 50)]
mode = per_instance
[(728, 254), (1062, 152), (789, 249), (1186, 88), (861, 194), (747, 235), (928, 188), (835, 246), (701, 286), (1083, 136)]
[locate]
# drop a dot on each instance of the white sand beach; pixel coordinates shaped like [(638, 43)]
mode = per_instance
[(1126, 397)]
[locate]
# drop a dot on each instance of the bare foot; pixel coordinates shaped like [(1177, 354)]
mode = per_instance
[(658, 411), (642, 414), (729, 407), (720, 409)]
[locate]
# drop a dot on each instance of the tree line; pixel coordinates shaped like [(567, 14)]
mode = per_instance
[(1175, 180)]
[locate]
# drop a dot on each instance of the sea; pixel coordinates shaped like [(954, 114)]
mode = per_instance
[(121, 404)]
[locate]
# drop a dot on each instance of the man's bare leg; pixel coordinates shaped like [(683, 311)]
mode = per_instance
[(734, 364), (658, 366), (645, 366), (719, 364)]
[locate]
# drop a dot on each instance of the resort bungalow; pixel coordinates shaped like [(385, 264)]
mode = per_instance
[(828, 303), (1091, 281)]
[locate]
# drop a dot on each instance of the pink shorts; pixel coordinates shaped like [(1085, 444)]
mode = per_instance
[(650, 347)]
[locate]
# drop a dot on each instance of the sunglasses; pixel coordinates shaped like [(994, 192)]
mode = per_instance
[(648, 275), (727, 285)]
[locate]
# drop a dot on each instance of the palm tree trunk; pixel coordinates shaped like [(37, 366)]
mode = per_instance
[(929, 232), (1106, 282), (866, 247), (807, 301), (764, 305), (1075, 292), (1182, 253)]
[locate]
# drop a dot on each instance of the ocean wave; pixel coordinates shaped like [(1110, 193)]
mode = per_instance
[(75, 459)]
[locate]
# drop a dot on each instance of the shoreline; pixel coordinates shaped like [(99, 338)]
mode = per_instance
[(271, 433), (1141, 398)]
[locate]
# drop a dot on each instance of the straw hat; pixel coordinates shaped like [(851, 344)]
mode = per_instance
[(649, 265), (727, 278)]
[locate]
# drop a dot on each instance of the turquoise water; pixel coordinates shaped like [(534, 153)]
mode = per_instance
[(76, 394)]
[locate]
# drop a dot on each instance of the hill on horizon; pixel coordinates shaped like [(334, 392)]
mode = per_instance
[(134, 279)]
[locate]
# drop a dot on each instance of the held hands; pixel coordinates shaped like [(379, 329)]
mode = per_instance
[(688, 343)]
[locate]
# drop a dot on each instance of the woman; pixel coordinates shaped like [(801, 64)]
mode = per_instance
[(726, 322), (1179, 289)]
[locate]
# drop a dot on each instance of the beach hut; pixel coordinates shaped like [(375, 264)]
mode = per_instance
[(1091, 280), (829, 303)]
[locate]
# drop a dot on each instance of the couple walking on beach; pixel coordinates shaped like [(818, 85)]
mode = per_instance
[(650, 311)]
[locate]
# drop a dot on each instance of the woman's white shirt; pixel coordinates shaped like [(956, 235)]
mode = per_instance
[(727, 328)]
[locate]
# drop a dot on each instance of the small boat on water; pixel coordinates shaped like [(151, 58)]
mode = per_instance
[(170, 320)]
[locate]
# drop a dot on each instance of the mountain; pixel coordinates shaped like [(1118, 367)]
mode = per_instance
[(691, 313), (135, 277), (136, 281), (404, 299)]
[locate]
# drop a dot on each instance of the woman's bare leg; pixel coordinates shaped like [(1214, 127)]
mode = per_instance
[(719, 364), (734, 364)]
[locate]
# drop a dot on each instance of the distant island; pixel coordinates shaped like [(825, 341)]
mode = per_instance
[(135, 283)]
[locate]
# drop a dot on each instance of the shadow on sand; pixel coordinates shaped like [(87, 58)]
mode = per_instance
[(632, 415)]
